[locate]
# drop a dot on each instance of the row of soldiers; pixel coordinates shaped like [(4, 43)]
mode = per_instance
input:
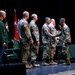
[(29, 39)]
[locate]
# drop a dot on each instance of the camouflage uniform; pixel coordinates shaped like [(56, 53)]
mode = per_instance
[(25, 38), (35, 36), (52, 40), (46, 42), (66, 38)]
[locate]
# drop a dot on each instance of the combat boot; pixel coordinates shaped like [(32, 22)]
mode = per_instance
[(45, 63), (67, 62), (52, 63), (28, 66), (34, 64)]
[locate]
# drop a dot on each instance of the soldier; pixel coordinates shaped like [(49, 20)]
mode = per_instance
[(46, 42), (53, 41), (66, 39), (35, 35), (25, 38), (3, 36)]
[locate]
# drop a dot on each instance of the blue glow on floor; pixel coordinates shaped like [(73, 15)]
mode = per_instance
[(52, 69)]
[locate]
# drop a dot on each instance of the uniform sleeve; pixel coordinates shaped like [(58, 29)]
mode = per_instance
[(52, 31), (35, 32), (27, 30), (28, 33), (1, 34), (67, 33), (47, 33), (59, 33)]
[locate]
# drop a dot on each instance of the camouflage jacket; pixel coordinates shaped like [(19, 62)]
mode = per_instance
[(53, 32), (45, 34), (66, 36), (24, 31), (34, 31)]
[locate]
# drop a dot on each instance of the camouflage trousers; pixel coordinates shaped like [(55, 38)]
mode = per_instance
[(52, 50), (49, 51), (25, 47), (34, 51), (67, 52), (46, 52)]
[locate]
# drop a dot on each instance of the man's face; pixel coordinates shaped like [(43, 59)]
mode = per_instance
[(36, 18), (54, 23), (4, 15), (62, 22), (48, 20), (27, 15)]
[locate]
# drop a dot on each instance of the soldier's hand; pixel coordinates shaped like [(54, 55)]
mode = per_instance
[(38, 43), (32, 42), (57, 41), (4, 44)]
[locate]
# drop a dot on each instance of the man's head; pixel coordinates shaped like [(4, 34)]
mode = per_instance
[(34, 17), (62, 21), (47, 19), (26, 15), (2, 14)]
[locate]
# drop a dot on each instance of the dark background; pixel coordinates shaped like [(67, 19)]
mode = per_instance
[(52, 8)]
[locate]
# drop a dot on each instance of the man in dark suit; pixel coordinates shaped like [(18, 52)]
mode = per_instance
[(3, 37)]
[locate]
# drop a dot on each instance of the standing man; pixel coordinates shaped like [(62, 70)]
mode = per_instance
[(35, 35), (66, 39), (46, 42), (52, 41), (3, 37), (25, 38)]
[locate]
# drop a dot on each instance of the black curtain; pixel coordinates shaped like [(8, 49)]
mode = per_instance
[(52, 8)]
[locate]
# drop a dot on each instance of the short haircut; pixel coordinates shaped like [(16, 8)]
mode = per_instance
[(62, 19), (52, 19), (1, 12), (33, 15), (25, 12), (47, 18)]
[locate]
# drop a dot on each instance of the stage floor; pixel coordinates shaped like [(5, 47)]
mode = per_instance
[(59, 69)]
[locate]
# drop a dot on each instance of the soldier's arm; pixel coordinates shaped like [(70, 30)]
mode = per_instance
[(46, 31), (35, 33), (52, 30), (67, 33), (27, 32), (59, 33), (52, 35), (1, 34)]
